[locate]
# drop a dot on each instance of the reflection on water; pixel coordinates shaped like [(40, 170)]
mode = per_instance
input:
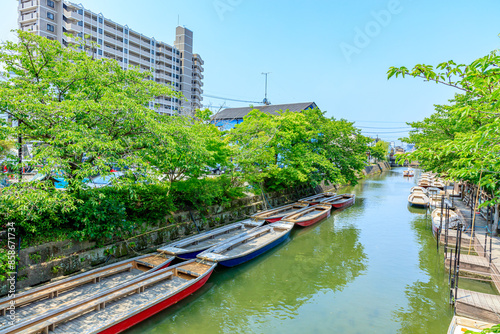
[(370, 268)]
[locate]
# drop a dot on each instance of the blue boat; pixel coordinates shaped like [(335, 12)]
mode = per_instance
[(189, 248), (248, 246)]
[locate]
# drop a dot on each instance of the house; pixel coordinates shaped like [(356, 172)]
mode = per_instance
[(228, 118)]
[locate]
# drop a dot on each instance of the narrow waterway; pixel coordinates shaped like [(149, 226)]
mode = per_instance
[(371, 268)]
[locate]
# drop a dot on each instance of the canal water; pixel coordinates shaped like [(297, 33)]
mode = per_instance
[(370, 268)]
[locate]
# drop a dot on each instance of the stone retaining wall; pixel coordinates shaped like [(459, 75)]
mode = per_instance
[(56, 260)]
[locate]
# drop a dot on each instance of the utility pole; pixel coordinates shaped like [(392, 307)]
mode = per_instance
[(266, 101)]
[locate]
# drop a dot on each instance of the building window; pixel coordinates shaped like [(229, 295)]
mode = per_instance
[(100, 30), (80, 11), (99, 52), (125, 60), (80, 35), (50, 15), (100, 20), (126, 41), (152, 52), (50, 27), (126, 31), (152, 60), (99, 41), (80, 23), (50, 3), (153, 43), (125, 51)]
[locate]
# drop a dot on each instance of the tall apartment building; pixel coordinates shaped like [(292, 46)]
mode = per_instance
[(175, 65)]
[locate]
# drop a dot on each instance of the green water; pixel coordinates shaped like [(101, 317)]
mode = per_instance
[(371, 268)]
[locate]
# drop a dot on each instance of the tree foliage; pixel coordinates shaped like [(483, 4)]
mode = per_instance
[(279, 151), (461, 139), (380, 150)]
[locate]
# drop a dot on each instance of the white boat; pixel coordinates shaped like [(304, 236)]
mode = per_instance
[(417, 189), (440, 220), (460, 325), (419, 200)]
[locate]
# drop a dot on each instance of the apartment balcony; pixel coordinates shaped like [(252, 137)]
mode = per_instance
[(134, 39), (198, 75), (73, 27), (27, 18), (196, 57), (111, 40), (197, 67), (31, 27), (28, 5), (73, 15)]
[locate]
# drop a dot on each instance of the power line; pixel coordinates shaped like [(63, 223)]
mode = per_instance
[(381, 132), (374, 127), (229, 99), (380, 122)]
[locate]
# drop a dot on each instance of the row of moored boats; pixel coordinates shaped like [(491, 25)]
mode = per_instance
[(116, 297)]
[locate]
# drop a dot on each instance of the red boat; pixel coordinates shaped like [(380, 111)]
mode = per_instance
[(316, 199), (275, 215), (340, 202), (309, 216), (116, 309)]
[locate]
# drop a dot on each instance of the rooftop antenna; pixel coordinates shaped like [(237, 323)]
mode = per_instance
[(266, 101)]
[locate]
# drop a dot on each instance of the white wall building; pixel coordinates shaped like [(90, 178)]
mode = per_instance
[(175, 65)]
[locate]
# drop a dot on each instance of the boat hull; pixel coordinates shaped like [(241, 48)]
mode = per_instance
[(343, 205), (314, 220), (137, 318), (274, 220), (423, 206), (237, 261), (191, 255)]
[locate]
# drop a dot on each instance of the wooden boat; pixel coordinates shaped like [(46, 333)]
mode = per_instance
[(342, 202), (188, 248), (417, 189), (316, 199), (438, 184), (121, 307), (309, 215), (424, 183), (439, 220), (276, 214), (408, 173), (418, 200), (248, 246), (83, 285), (460, 325)]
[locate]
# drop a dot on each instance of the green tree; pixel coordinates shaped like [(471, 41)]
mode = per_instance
[(82, 114), (279, 151), (461, 139), (380, 150)]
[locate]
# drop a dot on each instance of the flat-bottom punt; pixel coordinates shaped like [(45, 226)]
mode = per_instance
[(309, 216), (120, 308), (79, 287), (189, 248), (316, 199), (418, 200), (342, 202), (275, 215), (247, 247)]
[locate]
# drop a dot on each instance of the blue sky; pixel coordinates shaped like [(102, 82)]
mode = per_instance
[(303, 44)]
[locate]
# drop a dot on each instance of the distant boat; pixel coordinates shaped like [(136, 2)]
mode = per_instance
[(408, 173), (248, 246), (274, 215), (440, 220), (188, 248), (460, 325), (342, 202), (417, 189), (438, 184), (418, 200), (315, 199), (116, 309), (309, 216), (424, 183)]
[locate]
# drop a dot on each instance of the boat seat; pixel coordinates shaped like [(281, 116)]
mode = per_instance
[(188, 272), (47, 322), (54, 291)]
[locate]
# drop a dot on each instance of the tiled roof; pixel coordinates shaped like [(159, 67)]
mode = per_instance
[(238, 113)]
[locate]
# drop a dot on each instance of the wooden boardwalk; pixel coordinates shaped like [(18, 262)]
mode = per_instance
[(471, 263), (478, 305)]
